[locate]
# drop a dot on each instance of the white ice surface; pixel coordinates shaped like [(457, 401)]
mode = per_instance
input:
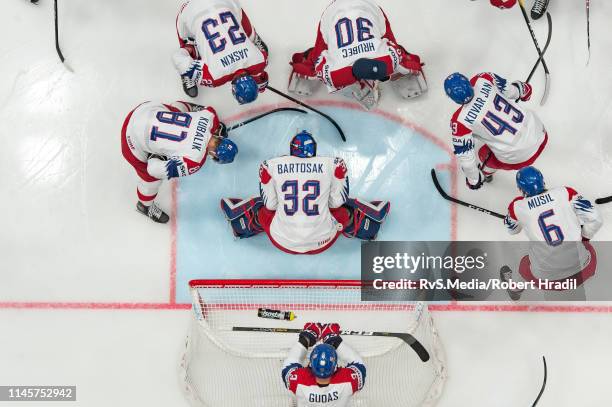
[(70, 232)]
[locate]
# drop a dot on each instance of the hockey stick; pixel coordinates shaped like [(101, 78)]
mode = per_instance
[(588, 15), (57, 45), (332, 121), (444, 195), (406, 337), (549, 19), (535, 42), (252, 119), (543, 384), (605, 200)]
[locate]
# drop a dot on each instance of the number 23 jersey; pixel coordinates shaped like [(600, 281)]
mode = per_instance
[(302, 191), (513, 134), (224, 37)]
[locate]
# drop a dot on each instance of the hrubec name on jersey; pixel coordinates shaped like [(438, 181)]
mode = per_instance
[(200, 136), (300, 167), (358, 49), (539, 201), (323, 398), (235, 57)]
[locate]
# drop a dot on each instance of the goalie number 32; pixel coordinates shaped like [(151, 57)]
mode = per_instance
[(292, 205)]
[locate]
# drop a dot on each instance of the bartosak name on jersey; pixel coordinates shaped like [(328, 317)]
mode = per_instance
[(307, 168), (234, 57)]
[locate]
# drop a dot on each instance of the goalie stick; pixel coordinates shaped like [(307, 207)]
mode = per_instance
[(444, 195), (332, 121), (540, 54), (543, 383), (252, 119), (406, 337)]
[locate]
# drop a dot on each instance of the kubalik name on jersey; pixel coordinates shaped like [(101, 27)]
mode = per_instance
[(200, 135), (234, 57), (479, 103), (300, 167)]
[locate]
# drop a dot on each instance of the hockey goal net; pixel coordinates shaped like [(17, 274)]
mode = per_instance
[(222, 367)]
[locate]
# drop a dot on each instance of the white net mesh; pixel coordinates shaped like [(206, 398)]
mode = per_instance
[(222, 367)]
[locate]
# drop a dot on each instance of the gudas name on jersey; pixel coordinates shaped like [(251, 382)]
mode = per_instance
[(200, 137), (479, 103), (308, 168), (323, 398), (539, 200), (234, 57)]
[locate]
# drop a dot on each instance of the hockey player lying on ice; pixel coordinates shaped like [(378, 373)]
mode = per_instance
[(323, 383), (219, 45), (304, 204), (164, 141), (354, 50), (512, 137), (563, 220)]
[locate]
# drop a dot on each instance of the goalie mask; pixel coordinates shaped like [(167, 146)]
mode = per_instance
[(303, 145)]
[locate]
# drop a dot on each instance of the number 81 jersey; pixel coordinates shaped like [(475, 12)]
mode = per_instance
[(302, 191), (513, 134)]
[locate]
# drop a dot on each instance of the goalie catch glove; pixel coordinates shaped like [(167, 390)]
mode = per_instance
[(310, 334)]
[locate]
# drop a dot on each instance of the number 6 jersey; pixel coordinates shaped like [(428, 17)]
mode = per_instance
[(302, 191), (514, 135)]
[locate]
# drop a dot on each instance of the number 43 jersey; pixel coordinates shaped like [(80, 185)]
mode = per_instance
[(224, 38), (513, 134), (302, 191)]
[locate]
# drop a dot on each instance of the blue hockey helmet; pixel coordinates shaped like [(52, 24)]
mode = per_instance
[(244, 89), (530, 181), (323, 361), (459, 88), (226, 151), (303, 145)]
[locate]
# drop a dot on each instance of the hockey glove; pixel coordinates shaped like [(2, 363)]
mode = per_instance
[(331, 335), (310, 334), (525, 90)]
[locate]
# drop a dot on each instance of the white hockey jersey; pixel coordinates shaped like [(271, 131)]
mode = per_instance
[(224, 38), (171, 131), (344, 383), (513, 134), (302, 191), (350, 30), (560, 218)]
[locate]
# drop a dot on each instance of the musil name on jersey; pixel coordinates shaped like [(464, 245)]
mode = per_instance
[(307, 168), (323, 398), (539, 201), (234, 57)]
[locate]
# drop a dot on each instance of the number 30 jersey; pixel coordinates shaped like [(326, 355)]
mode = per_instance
[(514, 135), (557, 217), (224, 38), (302, 191)]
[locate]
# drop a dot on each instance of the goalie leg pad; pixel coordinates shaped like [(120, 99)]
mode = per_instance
[(367, 218), (242, 216), (302, 85), (366, 93)]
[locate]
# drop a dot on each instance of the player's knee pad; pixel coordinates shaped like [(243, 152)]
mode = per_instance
[(242, 216), (366, 218)]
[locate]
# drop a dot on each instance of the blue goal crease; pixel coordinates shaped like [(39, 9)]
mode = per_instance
[(386, 161)]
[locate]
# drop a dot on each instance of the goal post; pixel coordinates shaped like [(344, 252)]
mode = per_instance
[(222, 367)]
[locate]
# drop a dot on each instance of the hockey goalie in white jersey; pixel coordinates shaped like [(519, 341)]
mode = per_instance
[(512, 137), (354, 51), (323, 382), (170, 140), (304, 205), (218, 44), (562, 220)]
